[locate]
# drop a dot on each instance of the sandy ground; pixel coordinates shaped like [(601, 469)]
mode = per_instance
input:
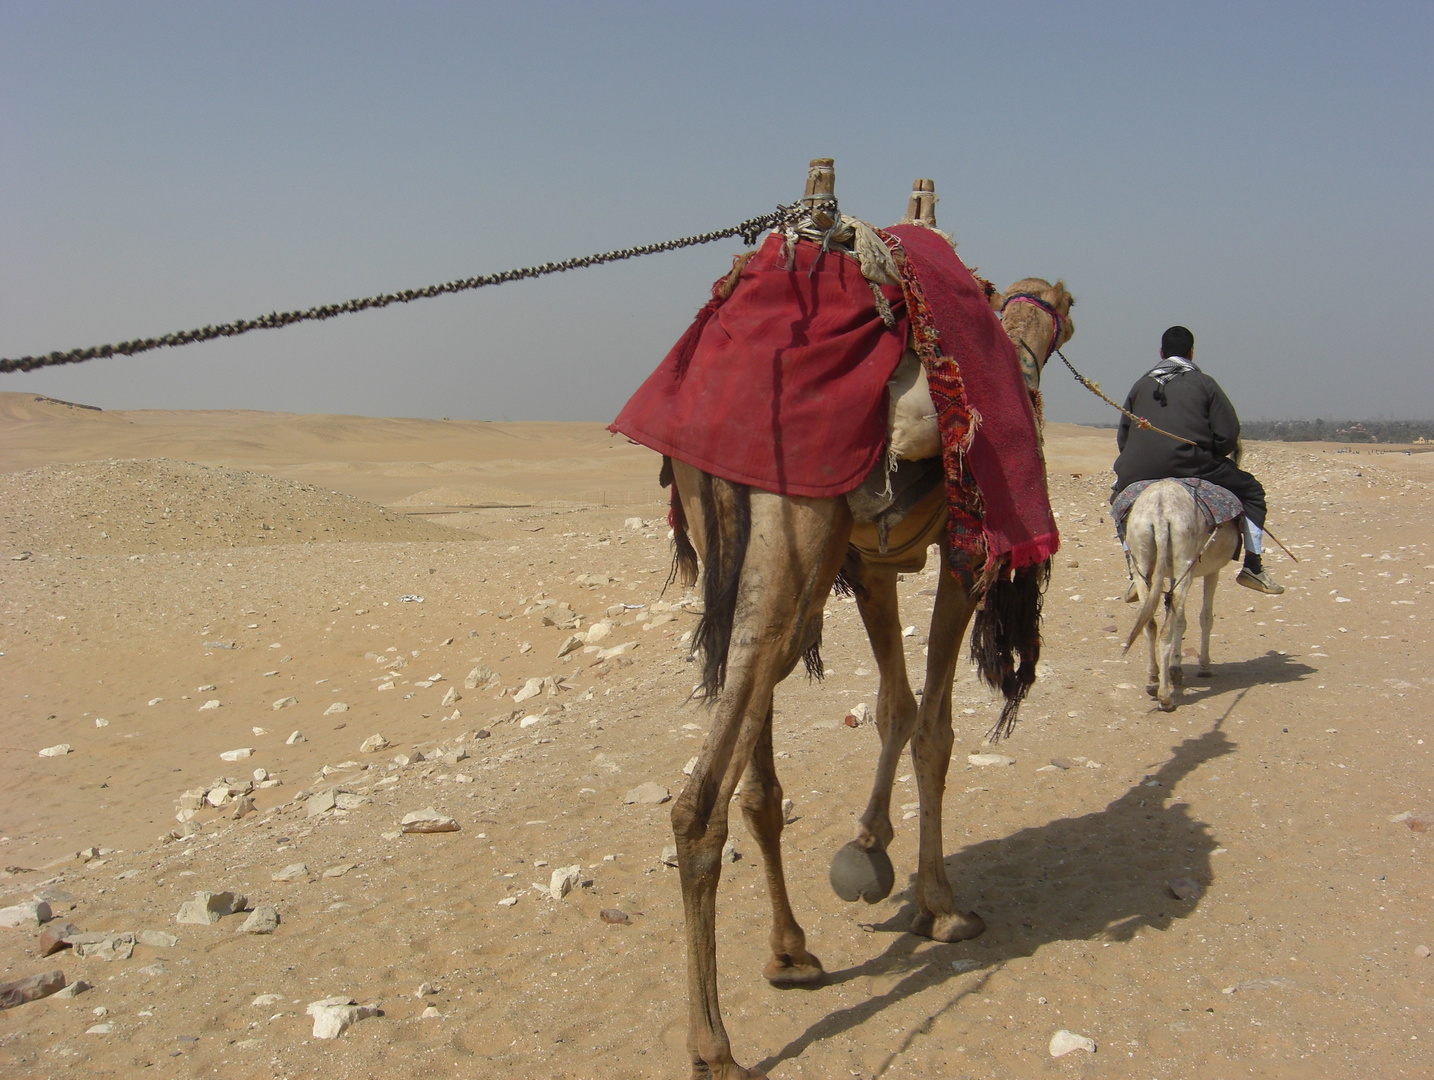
[(153, 562)]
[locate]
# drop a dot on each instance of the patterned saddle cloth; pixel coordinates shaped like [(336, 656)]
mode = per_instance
[(1217, 505)]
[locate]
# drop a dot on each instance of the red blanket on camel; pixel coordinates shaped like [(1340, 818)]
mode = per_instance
[(782, 386)]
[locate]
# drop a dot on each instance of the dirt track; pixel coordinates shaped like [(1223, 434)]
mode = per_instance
[(1272, 786)]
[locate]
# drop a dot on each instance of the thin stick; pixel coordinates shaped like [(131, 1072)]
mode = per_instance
[(1265, 529)]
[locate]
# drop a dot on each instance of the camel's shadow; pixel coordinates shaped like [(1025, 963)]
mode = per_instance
[(1102, 876)]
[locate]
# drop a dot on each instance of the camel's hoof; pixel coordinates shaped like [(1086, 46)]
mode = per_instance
[(1206, 673), (1177, 676), (1167, 704), (803, 970), (858, 874), (948, 928), (1152, 688)]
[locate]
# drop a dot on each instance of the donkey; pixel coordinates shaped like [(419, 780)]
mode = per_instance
[(1170, 542)]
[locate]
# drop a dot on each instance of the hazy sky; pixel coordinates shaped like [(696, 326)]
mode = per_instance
[(1258, 172)]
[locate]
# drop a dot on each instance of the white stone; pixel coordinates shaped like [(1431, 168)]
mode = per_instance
[(373, 744), (295, 737), (156, 939), (292, 872), (529, 721), (347, 800), (334, 1016), (616, 650), (789, 811), (1063, 1042), (320, 803), (100, 1029), (507, 901), (984, 760), (212, 703), (564, 880), (430, 1013), (531, 689), (100, 721), (598, 631), (450, 698), (336, 707), (691, 765), (285, 702), (572, 643), (425, 989), (260, 775), (648, 794), (58, 750), (237, 755), (427, 820), (633, 523), (264, 1000), (264, 919), (861, 713), (26, 916), (207, 908)]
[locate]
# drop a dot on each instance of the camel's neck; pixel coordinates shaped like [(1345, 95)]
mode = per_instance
[(1033, 332)]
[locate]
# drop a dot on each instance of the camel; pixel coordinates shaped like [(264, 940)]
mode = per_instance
[(1170, 542), (770, 561)]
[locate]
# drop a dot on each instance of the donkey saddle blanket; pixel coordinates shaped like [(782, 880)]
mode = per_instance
[(1217, 505), (782, 385)]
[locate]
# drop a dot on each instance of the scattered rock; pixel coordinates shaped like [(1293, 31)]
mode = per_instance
[(336, 707), (264, 919), (320, 803), (730, 854), (338, 871), (572, 643), (295, 737), (615, 917), (58, 750), (1421, 951), (669, 855), (598, 631), (237, 755), (264, 1000), (531, 689), (507, 901), (156, 939), (451, 698), (633, 523), (373, 744), (529, 721), (27, 916), (109, 947), (285, 702), (480, 677), (30, 988), (212, 703), (1185, 889), (789, 811), (430, 1013), (1063, 1042), (860, 714), (243, 806), (207, 908), (333, 1016), (74, 990), (52, 938), (425, 989), (648, 794), (564, 880), (983, 760), (1063, 763), (293, 872), (427, 820), (347, 800), (691, 765), (100, 1029)]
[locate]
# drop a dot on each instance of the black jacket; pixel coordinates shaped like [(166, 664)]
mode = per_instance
[(1191, 405)]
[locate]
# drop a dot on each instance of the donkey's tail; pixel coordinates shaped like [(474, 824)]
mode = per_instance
[(1159, 570)]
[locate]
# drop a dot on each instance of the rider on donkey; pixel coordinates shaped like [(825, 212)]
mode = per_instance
[(1178, 397)]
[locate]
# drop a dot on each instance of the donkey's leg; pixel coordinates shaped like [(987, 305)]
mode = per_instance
[(937, 916), (1170, 641), (1152, 675), (1207, 621), (791, 558), (791, 964)]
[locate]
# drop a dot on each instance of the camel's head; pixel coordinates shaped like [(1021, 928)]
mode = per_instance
[(1036, 315)]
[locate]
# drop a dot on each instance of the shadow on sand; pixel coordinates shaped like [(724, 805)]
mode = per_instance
[(1101, 876)]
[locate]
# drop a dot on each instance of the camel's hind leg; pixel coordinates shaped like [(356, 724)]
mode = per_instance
[(791, 558), (937, 916), (862, 868), (791, 964)]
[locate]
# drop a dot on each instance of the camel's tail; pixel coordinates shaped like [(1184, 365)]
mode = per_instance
[(727, 516), (1162, 568)]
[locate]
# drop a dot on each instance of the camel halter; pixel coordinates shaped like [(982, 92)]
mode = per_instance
[(1036, 301)]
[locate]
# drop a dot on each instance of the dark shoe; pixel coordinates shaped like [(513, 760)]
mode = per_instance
[(1261, 582), (1132, 594)]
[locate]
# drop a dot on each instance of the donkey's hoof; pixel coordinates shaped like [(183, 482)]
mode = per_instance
[(794, 970), (948, 928), (858, 874)]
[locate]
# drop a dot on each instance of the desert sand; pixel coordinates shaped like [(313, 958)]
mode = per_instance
[(345, 577)]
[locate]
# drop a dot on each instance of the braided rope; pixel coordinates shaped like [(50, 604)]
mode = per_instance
[(1094, 388), (748, 230)]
